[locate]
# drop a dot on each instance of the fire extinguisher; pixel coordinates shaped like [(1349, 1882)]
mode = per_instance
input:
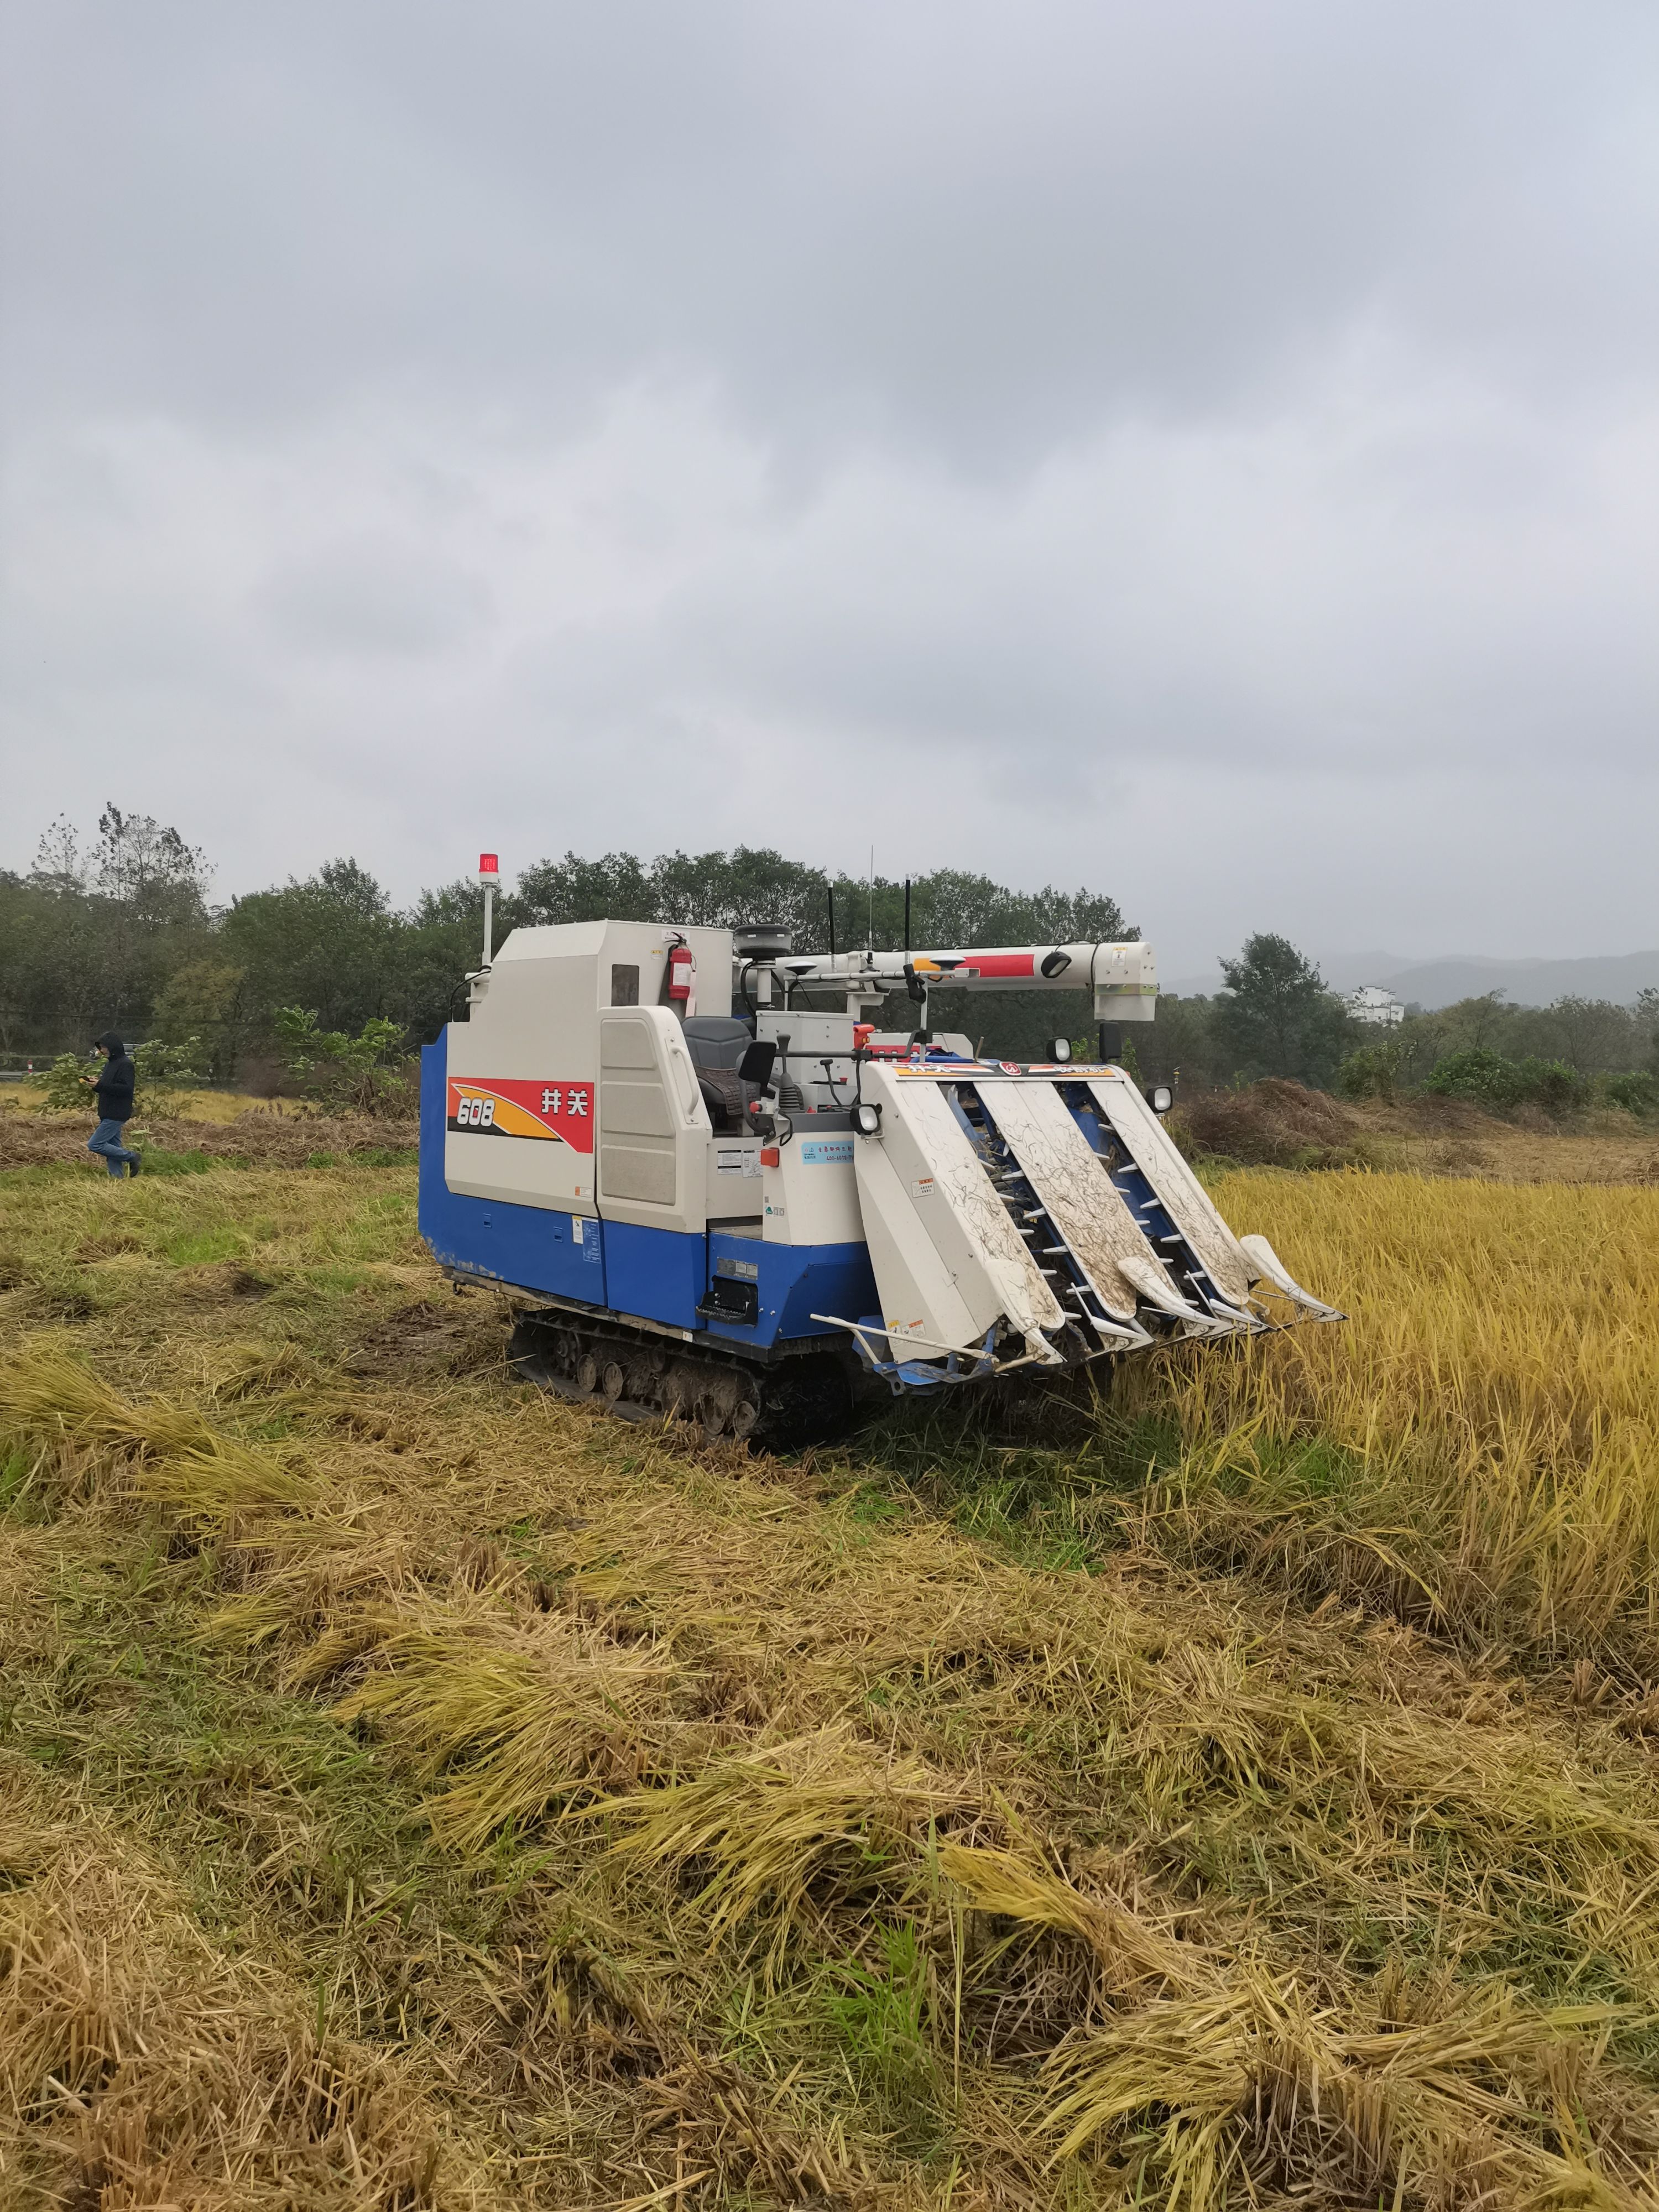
[(680, 982)]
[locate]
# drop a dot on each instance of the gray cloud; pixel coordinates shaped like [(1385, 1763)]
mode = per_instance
[(1209, 451)]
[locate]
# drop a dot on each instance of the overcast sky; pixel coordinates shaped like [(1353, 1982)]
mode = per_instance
[(1208, 452)]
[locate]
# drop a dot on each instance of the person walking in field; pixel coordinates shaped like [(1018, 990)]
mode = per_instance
[(114, 1091)]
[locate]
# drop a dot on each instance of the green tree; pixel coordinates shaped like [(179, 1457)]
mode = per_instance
[(205, 999), (758, 884), (330, 943), (615, 887), (149, 901), (1180, 1046), (1592, 1035), (147, 871), (121, 932), (948, 907), (88, 937), (1276, 1016), (1647, 1026)]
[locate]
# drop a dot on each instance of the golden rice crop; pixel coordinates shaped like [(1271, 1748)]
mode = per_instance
[(1483, 1431)]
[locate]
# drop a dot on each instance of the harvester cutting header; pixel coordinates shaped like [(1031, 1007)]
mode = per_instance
[(731, 1198)]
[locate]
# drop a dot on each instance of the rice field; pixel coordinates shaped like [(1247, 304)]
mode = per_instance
[(199, 1103), (1481, 1443), (420, 1793)]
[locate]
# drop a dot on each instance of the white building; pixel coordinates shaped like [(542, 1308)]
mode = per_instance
[(1371, 1003)]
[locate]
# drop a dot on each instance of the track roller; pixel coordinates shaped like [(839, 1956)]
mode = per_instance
[(777, 1407)]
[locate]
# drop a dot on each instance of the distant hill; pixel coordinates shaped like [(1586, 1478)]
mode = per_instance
[(1616, 975)]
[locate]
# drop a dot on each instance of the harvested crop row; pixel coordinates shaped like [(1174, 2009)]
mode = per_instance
[(874, 1768), (781, 1842), (140, 2064)]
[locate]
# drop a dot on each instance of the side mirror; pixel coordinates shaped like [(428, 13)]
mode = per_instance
[(1060, 1049), (866, 1120), (1162, 1098), (756, 1064)]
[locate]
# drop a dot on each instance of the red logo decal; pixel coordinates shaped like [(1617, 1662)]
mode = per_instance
[(492, 1106)]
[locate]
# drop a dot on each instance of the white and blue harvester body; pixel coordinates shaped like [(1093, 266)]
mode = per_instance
[(739, 1214)]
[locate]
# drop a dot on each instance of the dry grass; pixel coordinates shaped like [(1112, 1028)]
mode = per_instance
[(203, 1105), (423, 1792), (174, 1140), (71, 1430), (1274, 1123)]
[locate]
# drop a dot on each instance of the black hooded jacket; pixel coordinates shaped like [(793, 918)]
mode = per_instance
[(114, 1090)]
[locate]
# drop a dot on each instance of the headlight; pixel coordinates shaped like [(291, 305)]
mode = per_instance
[(1059, 1048), (1162, 1099), (866, 1121)]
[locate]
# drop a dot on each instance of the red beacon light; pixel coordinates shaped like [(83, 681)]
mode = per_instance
[(490, 879)]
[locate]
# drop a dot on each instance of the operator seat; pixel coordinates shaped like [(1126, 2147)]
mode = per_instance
[(717, 1043)]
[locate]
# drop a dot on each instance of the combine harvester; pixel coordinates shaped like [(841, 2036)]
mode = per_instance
[(746, 1217)]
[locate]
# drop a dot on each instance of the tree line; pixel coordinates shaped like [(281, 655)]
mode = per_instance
[(1276, 1017), (122, 931)]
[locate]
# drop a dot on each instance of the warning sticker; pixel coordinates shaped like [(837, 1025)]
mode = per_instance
[(491, 1106)]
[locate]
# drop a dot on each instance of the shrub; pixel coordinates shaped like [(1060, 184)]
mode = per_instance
[(163, 1070), (1478, 1073), (171, 1066), (1372, 1072), (1490, 1080), (166, 1071), (1552, 1085), (64, 1084), (1636, 1092), (352, 1075)]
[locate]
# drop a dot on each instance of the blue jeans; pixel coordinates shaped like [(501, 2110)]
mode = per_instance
[(106, 1139)]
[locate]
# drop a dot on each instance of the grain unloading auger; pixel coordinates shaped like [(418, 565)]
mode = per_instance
[(741, 1216)]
